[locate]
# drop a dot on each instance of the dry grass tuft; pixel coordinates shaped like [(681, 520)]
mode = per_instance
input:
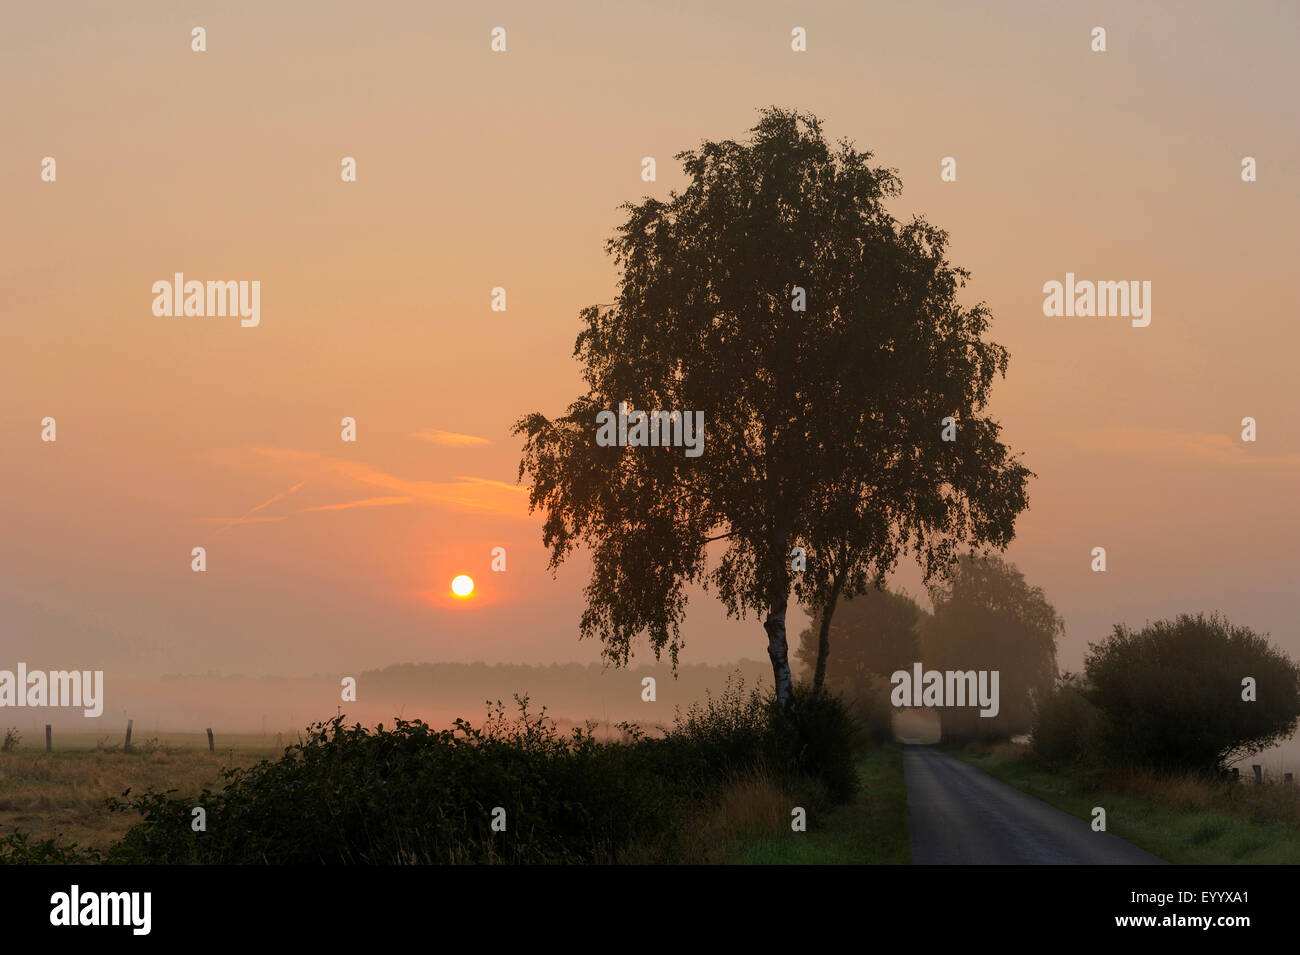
[(1273, 801), (752, 807)]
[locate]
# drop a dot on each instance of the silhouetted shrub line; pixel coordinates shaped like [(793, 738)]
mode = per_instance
[(414, 794)]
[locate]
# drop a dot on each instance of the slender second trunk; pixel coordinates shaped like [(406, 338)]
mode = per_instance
[(824, 641), (777, 647)]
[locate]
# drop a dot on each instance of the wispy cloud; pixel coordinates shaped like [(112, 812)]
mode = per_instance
[(366, 502), (1164, 442), (450, 438), (464, 492), (229, 522), (247, 516)]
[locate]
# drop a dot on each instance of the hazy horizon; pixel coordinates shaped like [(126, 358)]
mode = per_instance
[(476, 171)]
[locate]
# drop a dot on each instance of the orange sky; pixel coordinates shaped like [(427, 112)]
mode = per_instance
[(479, 170)]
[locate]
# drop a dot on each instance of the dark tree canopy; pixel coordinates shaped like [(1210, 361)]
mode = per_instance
[(822, 424), (1171, 693), (874, 634), (988, 617)]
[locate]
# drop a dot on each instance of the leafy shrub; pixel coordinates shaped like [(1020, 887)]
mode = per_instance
[(743, 730), (871, 707), (826, 741), (1066, 724), (19, 848), (348, 794), (1171, 694)]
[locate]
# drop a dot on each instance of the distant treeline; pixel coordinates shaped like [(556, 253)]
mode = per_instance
[(436, 692), (590, 689)]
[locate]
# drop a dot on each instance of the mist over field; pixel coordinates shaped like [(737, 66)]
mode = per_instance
[(436, 693), (572, 694)]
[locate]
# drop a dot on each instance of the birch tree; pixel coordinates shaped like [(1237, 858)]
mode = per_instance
[(823, 342)]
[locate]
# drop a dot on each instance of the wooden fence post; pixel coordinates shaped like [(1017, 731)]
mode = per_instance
[(212, 747), (1259, 774), (126, 747), (49, 738)]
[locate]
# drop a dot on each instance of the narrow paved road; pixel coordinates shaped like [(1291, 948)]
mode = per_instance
[(962, 816)]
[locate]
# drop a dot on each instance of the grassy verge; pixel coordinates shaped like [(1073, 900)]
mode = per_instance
[(870, 829), (1183, 821)]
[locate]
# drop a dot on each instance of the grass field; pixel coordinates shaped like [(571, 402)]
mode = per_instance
[(871, 829), (61, 794), (1183, 820)]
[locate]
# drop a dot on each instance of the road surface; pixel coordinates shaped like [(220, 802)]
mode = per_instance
[(962, 816)]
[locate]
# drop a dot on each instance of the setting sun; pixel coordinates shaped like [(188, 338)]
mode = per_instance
[(462, 586)]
